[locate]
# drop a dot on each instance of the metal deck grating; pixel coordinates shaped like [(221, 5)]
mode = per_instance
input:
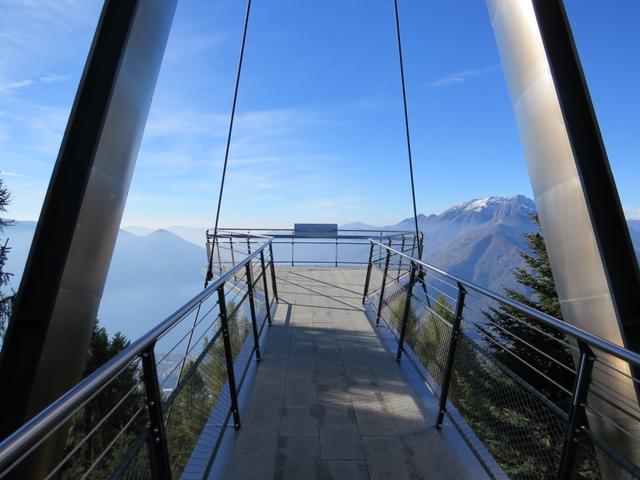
[(328, 400)]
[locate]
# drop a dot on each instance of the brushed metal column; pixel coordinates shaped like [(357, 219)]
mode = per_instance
[(584, 287), (47, 341)]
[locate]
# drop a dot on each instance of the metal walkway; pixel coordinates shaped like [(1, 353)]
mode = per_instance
[(328, 400)]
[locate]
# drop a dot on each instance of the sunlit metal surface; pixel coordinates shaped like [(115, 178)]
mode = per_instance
[(87, 266), (570, 417), (579, 274)]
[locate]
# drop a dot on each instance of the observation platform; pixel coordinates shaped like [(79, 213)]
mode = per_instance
[(328, 399)]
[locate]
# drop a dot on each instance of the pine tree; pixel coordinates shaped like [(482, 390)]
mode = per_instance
[(102, 349), (516, 427), (6, 299), (527, 337)]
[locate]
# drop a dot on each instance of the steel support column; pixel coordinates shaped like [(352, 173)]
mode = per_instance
[(48, 337), (594, 266)]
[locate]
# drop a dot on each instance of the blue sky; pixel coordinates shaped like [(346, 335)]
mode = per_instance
[(319, 132)]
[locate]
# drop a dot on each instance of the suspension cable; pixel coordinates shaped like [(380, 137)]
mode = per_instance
[(406, 127), (209, 276)]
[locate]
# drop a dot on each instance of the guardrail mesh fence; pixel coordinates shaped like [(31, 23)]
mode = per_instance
[(511, 380), (184, 397)]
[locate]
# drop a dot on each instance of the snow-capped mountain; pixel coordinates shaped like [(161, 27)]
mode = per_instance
[(511, 211), (153, 273), (478, 240)]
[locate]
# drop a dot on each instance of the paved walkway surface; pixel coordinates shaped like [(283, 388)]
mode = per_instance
[(328, 401)]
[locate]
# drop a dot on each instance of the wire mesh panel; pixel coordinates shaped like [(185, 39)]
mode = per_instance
[(95, 436), (163, 403), (102, 431), (189, 409), (521, 431), (135, 464), (506, 378)]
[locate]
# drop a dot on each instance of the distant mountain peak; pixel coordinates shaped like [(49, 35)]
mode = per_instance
[(493, 202)]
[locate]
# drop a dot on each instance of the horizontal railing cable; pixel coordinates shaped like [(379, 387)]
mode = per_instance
[(22, 442), (568, 329)]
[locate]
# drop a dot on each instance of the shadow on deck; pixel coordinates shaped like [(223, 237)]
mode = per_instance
[(329, 401)]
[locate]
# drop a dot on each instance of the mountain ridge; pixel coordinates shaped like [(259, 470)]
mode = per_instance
[(153, 273)]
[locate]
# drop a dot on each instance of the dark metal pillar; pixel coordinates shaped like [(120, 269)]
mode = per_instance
[(406, 312), (451, 355), (267, 303), (594, 267), (158, 451), (384, 282), (273, 273), (577, 414), (228, 355), (368, 278), (600, 192), (48, 337), (252, 308)]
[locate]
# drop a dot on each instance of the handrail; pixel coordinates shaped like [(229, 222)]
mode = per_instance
[(484, 387), (353, 233), (227, 233), (41, 426), (593, 340), (230, 229), (343, 241)]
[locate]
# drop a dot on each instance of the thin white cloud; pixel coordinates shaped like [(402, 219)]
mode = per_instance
[(52, 78), (15, 85), (39, 34), (185, 44), (464, 76), (27, 82)]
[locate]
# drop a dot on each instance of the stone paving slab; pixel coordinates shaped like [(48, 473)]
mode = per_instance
[(328, 401)]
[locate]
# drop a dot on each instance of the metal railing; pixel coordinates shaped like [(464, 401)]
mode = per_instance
[(533, 396), (161, 405), (348, 247)]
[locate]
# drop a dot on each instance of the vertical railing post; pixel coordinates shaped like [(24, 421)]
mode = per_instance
[(248, 245), (266, 288), (252, 308), (233, 260), (451, 355), (577, 414), (219, 257), (228, 354), (292, 241), (273, 273), (158, 450), (336, 250), (400, 259), (406, 311), (384, 281), (368, 278)]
